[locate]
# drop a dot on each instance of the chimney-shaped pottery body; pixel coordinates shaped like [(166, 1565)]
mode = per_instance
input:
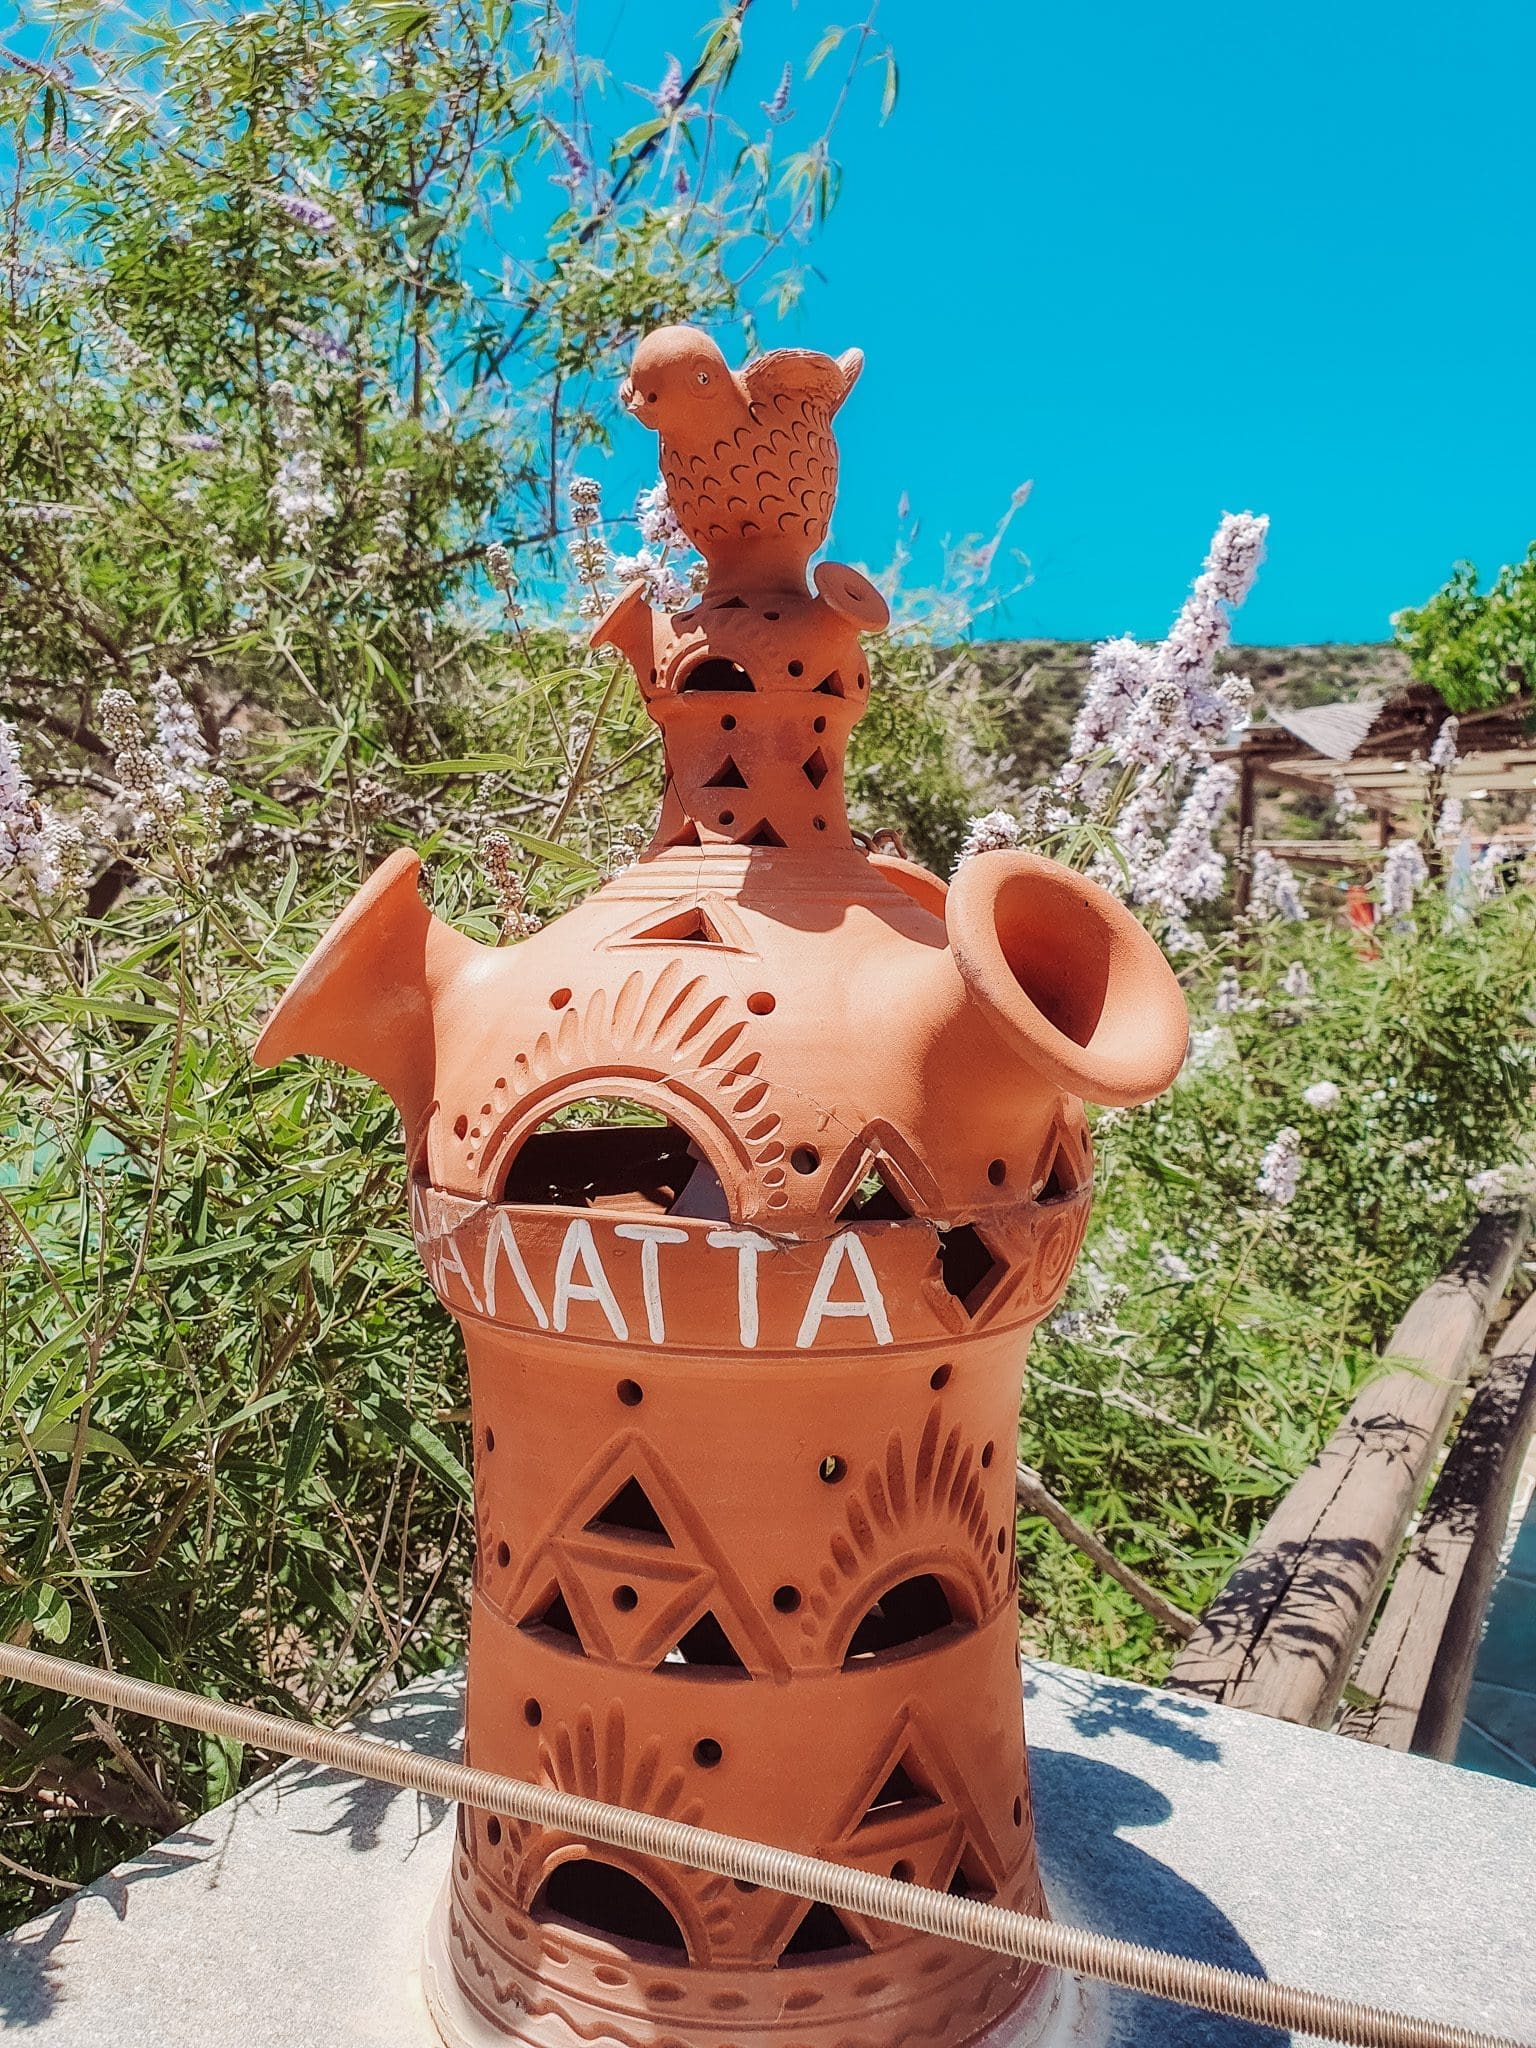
[(746, 1375)]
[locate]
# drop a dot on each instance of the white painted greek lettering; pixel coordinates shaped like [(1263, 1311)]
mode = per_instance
[(871, 1303)]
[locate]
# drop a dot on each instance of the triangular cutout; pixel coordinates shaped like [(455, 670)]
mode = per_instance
[(729, 777), (687, 834), (1060, 1181), (729, 604), (822, 1932), (900, 1790), (690, 927), (830, 686), (629, 1513), (965, 1884), (815, 770), (874, 1200), (556, 1619), (762, 834), (705, 1645)]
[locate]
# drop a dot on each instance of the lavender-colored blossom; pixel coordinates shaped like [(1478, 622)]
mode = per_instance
[(657, 521), (301, 498), (1229, 994), (1191, 868), (778, 108), (1274, 891), (1402, 873), (1450, 821), (1323, 1096), (993, 832), (1488, 869), (197, 444), (317, 341), (1212, 1047), (1346, 804), (40, 512), (578, 166), (1280, 1168), (31, 837), (307, 212), (668, 591), (1298, 983), (1172, 1264), (1118, 673), (177, 733), (668, 96), (1443, 754)]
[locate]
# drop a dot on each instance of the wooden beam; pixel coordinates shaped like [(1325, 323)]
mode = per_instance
[(1328, 852), (1283, 1633), (1417, 1668)]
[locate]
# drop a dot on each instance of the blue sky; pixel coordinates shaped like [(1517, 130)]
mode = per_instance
[(1167, 262)]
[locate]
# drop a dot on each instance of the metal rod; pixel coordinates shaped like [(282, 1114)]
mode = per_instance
[(1180, 1979)]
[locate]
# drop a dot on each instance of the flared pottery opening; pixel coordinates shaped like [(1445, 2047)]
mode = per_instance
[(1068, 976)]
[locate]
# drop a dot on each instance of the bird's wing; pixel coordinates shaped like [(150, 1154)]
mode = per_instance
[(802, 373)]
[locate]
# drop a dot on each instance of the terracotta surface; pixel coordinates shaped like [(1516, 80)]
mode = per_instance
[(746, 1379)]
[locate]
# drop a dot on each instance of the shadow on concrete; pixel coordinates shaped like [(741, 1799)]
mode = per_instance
[(33, 1958), (1117, 1888), (431, 1723), (1098, 1706), (31, 1964)]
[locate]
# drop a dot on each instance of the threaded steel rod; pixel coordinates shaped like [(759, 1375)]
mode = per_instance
[(1179, 1979)]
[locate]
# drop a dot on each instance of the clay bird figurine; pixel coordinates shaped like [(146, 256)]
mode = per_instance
[(747, 455)]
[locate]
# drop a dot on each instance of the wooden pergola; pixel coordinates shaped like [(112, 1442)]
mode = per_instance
[(1379, 747)]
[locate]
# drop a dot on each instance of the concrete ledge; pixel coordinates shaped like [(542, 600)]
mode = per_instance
[(293, 1917)]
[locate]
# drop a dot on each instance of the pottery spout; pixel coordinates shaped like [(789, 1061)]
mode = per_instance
[(1066, 977), (368, 994)]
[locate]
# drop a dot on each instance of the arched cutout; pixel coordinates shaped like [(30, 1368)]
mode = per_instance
[(614, 1154), (823, 1937), (915, 1611), (715, 673), (599, 1898)]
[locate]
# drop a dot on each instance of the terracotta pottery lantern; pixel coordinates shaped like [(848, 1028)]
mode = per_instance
[(746, 1376)]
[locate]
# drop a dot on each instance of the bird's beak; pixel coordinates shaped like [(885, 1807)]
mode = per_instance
[(629, 397)]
